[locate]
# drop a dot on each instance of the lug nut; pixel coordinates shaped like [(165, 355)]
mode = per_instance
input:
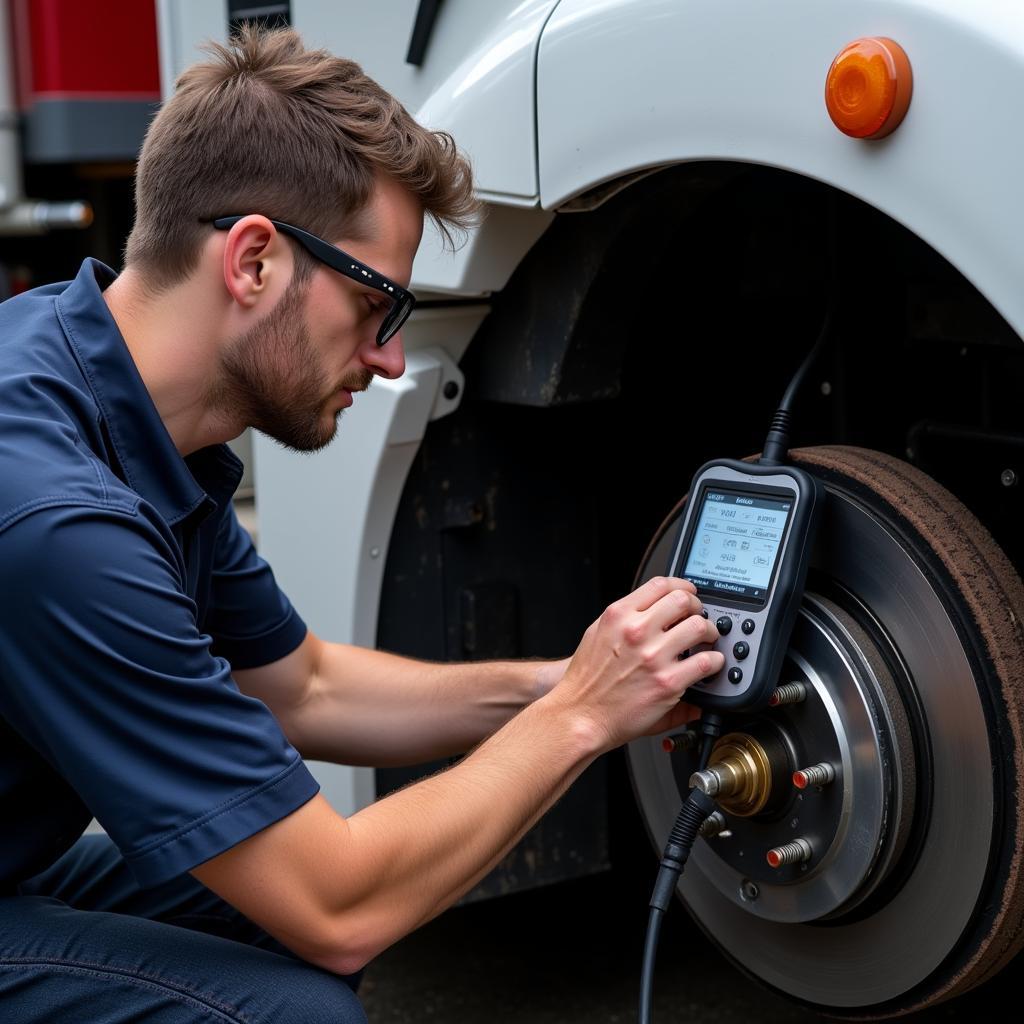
[(713, 824), (792, 853), (685, 740), (817, 775), (788, 693)]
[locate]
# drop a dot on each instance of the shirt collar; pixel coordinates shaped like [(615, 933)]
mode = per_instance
[(149, 462)]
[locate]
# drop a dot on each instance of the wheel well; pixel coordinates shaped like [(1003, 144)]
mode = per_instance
[(660, 330), (644, 337)]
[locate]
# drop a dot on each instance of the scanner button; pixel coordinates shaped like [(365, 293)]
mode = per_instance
[(735, 675), (741, 650), (748, 626), (724, 624)]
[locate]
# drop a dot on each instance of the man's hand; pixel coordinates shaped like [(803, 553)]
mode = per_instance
[(627, 674)]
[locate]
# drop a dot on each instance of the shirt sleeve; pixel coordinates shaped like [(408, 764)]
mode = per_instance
[(108, 677), (250, 620)]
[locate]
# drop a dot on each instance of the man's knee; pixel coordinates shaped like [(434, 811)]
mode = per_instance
[(319, 998)]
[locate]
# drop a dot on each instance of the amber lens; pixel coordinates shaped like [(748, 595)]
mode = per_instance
[(867, 89)]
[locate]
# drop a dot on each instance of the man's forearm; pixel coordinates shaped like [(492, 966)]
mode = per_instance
[(372, 708), (486, 803)]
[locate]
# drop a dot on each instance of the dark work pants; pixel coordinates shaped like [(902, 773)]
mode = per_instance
[(83, 943)]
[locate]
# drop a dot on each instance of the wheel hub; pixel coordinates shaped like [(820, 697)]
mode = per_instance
[(740, 775)]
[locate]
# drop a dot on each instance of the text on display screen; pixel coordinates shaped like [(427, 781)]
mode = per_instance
[(736, 542)]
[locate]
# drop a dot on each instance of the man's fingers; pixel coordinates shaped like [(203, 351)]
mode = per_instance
[(684, 672), (654, 590), (695, 632), (699, 666), (691, 632), (673, 607)]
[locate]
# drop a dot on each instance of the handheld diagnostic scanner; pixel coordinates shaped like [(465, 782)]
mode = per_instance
[(745, 542)]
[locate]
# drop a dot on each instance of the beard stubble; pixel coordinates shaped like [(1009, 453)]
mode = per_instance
[(272, 378)]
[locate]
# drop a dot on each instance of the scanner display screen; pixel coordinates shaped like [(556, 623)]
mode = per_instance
[(736, 542)]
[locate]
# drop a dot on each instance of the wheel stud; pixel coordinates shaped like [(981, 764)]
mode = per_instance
[(788, 693), (680, 741), (792, 853), (817, 775)]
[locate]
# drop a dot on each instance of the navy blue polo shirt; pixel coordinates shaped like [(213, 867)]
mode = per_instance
[(127, 592)]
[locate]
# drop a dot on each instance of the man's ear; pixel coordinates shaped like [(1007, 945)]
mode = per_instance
[(256, 261)]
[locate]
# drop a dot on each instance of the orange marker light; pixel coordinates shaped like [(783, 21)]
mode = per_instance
[(868, 87)]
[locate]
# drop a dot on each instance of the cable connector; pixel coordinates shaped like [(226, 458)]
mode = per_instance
[(776, 444), (710, 725)]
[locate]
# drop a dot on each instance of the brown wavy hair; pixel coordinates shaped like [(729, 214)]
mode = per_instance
[(268, 126)]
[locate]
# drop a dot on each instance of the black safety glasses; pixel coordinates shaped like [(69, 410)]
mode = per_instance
[(402, 301)]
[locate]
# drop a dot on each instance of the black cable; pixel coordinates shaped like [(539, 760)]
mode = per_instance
[(695, 809), (647, 970), (776, 445)]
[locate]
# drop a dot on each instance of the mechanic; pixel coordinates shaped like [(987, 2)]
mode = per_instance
[(151, 672)]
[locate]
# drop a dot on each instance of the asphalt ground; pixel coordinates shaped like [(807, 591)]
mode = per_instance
[(570, 954)]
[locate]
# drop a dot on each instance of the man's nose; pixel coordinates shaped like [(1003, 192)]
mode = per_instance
[(388, 360)]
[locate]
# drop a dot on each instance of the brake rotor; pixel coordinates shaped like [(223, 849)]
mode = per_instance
[(910, 647)]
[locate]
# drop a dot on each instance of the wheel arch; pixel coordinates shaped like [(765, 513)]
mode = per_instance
[(622, 87)]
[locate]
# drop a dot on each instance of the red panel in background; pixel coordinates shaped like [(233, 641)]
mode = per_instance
[(86, 49)]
